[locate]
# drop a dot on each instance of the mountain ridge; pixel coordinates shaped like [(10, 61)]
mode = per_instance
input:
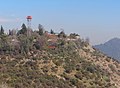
[(49, 60), (110, 48)]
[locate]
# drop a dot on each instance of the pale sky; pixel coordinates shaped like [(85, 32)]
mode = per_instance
[(97, 19)]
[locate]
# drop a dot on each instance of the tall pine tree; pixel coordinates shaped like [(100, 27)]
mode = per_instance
[(1, 30), (52, 32), (41, 30), (23, 30)]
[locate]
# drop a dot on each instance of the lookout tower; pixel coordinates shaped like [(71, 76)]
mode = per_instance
[(29, 18)]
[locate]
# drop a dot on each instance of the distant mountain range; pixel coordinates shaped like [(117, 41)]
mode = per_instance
[(110, 48)]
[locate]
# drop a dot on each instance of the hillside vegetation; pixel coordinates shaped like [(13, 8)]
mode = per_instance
[(39, 59)]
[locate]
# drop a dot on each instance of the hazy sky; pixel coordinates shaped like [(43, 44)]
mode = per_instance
[(97, 19)]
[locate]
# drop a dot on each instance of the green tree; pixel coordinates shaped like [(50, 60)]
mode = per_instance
[(73, 35), (24, 44), (41, 29), (23, 30), (62, 34), (1, 30), (4, 45), (52, 32)]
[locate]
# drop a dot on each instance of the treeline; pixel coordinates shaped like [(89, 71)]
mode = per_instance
[(25, 40)]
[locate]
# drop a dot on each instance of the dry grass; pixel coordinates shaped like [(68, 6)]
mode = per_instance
[(4, 85)]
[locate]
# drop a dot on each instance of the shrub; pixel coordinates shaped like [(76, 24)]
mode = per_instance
[(79, 75), (91, 69), (74, 81)]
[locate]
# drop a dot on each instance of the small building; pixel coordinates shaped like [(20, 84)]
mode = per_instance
[(52, 40)]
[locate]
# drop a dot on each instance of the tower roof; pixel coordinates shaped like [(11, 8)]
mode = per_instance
[(29, 17)]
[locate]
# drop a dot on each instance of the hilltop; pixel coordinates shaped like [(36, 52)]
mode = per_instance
[(41, 59), (111, 48)]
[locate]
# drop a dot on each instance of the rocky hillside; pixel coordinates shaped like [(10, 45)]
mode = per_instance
[(111, 48), (107, 64), (44, 60)]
